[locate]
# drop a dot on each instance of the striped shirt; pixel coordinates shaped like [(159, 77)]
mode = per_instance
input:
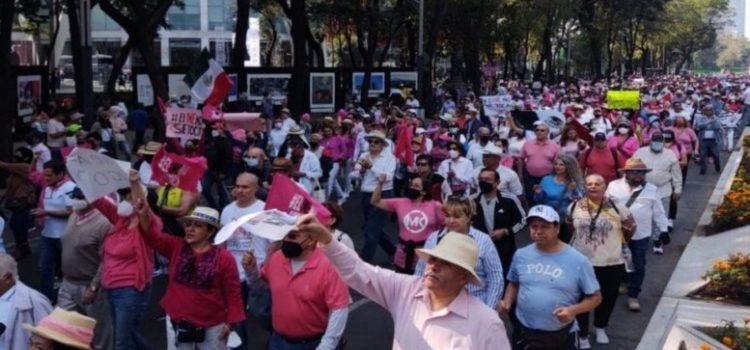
[(488, 268)]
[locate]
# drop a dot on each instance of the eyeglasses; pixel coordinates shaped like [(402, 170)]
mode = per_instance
[(293, 235), (637, 172)]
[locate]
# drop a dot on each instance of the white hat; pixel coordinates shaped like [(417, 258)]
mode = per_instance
[(207, 215), (492, 150), (420, 131), (376, 134), (412, 111), (471, 109), (543, 212), (458, 249), (447, 117)]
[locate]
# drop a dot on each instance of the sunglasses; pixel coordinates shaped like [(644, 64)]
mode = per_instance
[(638, 172)]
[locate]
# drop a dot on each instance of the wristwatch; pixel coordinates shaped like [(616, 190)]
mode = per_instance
[(93, 288)]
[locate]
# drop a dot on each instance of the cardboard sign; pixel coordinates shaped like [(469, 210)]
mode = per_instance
[(272, 225), (626, 99), (185, 124), (497, 105), (96, 174), (177, 171), (287, 196)]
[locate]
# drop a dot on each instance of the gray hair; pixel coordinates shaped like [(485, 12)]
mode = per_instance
[(572, 172), (8, 265)]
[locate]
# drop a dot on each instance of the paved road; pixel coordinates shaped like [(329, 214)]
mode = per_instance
[(370, 327)]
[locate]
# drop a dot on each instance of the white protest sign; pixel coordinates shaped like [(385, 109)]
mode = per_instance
[(497, 105), (145, 90), (96, 174), (270, 224), (185, 124)]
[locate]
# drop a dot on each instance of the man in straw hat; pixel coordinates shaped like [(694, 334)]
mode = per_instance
[(19, 304), (549, 284), (644, 202), (430, 312), (61, 330)]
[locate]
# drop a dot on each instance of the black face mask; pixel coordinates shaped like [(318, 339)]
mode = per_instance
[(484, 139), (412, 193), (486, 187), (633, 182), (313, 145), (291, 249)]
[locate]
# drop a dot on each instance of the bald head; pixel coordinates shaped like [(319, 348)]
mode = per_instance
[(244, 189)]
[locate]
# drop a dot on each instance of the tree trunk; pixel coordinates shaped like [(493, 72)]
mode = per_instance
[(587, 18), (439, 10), (239, 50), (76, 46), (272, 46), (298, 83), (7, 98), (119, 62), (317, 58)]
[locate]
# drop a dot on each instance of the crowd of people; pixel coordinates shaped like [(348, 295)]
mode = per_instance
[(597, 191)]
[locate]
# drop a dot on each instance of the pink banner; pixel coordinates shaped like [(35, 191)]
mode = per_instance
[(178, 171), (183, 123), (287, 196)]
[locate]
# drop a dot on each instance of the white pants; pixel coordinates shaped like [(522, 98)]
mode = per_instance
[(333, 182), (211, 342)]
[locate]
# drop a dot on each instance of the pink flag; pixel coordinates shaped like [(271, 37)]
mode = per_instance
[(285, 195), (178, 171)]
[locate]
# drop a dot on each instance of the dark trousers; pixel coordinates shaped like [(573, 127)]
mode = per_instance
[(609, 278), (139, 136), (673, 203), (528, 186), (374, 235), (709, 148), (20, 222), (50, 251), (506, 247), (639, 249)]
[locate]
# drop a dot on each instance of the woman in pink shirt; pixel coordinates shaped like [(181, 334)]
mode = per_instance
[(417, 218), (685, 136), (624, 141), (334, 152)]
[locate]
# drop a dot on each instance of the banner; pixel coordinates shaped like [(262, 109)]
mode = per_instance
[(181, 172), (287, 196), (497, 105), (184, 124), (244, 121), (271, 224), (627, 99), (96, 174)]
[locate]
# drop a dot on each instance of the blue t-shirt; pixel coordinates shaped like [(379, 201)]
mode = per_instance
[(140, 119), (552, 191), (547, 282)]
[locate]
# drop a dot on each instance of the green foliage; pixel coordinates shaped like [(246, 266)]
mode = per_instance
[(728, 279)]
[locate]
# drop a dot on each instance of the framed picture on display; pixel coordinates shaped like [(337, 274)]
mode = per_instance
[(322, 92), (377, 83), (277, 85), (29, 92)]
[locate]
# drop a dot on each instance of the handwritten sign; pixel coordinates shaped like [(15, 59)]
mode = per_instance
[(174, 170), (185, 124), (497, 105), (96, 174), (626, 99)]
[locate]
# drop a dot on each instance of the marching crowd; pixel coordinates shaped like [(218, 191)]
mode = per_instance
[(597, 187)]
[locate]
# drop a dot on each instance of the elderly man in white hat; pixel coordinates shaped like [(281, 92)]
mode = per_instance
[(368, 168), (430, 312), (549, 284), (19, 304)]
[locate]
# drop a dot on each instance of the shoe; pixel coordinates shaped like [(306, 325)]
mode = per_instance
[(584, 343), (658, 250), (634, 305), (601, 336)]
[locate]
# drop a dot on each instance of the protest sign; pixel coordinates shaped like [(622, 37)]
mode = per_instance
[(269, 224), (625, 99), (96, 174), (185, 124), (554, 119), (244, 121), (177, 171), (287, 196), (497, 105)]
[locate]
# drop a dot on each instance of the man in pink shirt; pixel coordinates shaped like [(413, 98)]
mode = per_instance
[(538, 158), (430, 312)]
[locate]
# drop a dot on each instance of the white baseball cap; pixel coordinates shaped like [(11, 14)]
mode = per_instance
[(543, 212)]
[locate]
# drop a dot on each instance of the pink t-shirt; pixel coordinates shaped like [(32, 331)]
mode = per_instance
[(686, 138), (539, 158), (415, 222)]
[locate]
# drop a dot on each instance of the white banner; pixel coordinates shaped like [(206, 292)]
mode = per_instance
[(497, 105), (145, 91), (96, 174)]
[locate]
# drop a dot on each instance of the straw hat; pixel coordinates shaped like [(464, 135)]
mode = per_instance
[(634, 164), (65, 327), (457, 249), (206, 215), (150, 148), (376, 134)]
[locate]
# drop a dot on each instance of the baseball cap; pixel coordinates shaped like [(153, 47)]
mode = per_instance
[(543, 212), (600, 136), (657, 136)]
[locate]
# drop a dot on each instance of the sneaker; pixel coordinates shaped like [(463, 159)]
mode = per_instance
[(634, 305), (584, 343), (658, 250), (601, 336)]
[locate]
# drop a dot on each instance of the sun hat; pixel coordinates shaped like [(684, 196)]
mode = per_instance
[(206, 215), (471, 109), (376, 134), (65, 327), (458, 249), (492, 150), (634, 164), (150, 148), (543, 212)]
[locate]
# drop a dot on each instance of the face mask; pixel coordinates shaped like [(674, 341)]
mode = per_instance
[(313, 145), (486, 187), (484, 139), (655, 124), (623, 131), (215, 133), (412, 193), (453, 154), (78, 204), (277, 125), (291, 249), (251, 162), (125, 209), (453, 130), (633, 182), (657, 146)]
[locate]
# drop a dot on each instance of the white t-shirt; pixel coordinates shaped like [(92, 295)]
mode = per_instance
[(746, 96), (56, 199), (242, 240), (44, 155), (55, 127)]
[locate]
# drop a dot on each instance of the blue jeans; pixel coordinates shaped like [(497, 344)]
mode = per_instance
[(277, 342), (50, 252), (127, 306), (374, 222), (528, 186), (709, 148), (20, 222), (638, 248), (211, 179)]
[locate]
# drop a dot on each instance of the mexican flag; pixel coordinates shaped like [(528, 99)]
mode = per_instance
[(207, 80)]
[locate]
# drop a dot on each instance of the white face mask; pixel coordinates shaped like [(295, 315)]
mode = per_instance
[(277, 125), (125, 209), (78, 204), (251, 161), (215, 133), (454, 154), (622, 131)]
